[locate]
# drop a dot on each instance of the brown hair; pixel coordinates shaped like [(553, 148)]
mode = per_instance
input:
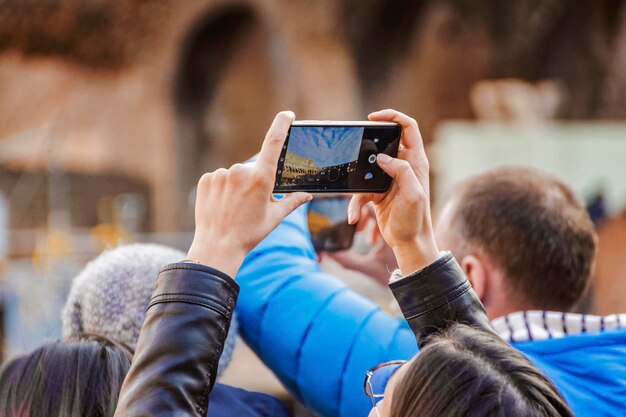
[(533, 227), (80, 377), (468, 372)]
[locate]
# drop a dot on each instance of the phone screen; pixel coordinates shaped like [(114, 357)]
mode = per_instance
[(328, 224), (336, 158)]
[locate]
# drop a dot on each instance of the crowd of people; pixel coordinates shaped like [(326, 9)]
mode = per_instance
[(485, 297)]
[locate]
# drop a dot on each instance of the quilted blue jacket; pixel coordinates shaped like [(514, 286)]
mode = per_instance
[(320, 337)]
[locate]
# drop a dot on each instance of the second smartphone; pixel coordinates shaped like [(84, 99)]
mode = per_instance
[(328, 223), (331, 157)]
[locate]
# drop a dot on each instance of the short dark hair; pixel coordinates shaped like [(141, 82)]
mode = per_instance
[(469, 372), (533, 227), (80, 377)]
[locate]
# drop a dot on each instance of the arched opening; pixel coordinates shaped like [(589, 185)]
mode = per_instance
[(379, 34), (224, 95)]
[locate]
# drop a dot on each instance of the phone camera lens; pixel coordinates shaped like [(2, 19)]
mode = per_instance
[(372, 158), (333, 174)]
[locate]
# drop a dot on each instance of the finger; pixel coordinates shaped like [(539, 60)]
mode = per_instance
[(274, 140), (367, 216), (211, 180), (398, 169), (364, 219), (290, 202), (374, 235), (411, 136), (354, 208)]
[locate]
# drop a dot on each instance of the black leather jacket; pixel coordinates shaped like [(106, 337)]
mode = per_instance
[(437, 296), (181, 341), (182, 337)]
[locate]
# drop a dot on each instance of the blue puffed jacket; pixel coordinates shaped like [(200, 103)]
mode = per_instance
[(320, 337)]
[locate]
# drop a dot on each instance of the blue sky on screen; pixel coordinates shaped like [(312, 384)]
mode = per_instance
[(335, 210), (326, 146)]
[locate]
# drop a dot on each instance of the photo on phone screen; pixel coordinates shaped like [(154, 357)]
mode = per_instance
[(336, 158), (328, 224)]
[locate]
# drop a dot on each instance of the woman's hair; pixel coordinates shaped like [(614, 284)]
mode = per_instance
[(80, 377), (469, 372)]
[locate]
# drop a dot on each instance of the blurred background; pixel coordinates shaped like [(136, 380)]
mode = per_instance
[(110, 111)]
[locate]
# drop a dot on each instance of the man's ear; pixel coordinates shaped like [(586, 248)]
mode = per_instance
[(476, 273)]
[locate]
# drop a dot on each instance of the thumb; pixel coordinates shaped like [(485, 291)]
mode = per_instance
[(290, 202), (398, 169)]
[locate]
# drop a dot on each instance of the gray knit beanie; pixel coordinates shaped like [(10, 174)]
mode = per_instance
[(111, 294)]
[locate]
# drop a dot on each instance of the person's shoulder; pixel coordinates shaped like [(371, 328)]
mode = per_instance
[(612, 340), (584, 368), (230, 401)]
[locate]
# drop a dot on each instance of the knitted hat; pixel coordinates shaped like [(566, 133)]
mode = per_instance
[(111, 294)]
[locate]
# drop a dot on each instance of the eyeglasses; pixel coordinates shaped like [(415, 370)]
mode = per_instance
[(376, 380)]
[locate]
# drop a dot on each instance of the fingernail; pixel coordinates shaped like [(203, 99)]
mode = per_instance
[(309, 198), (383, 158), (350, 217)]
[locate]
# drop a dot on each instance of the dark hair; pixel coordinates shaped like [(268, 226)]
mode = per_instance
[(469, 372), (80, 377), (532, 226)]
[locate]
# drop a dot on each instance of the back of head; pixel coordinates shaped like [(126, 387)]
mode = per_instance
[(469, 372), (532, 227), (81, 377), (110, 296)]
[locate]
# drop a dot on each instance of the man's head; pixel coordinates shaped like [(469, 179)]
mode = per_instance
[(110, 296), (522, 238)]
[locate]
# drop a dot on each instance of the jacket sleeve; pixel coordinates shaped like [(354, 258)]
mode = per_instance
[(435, 297), (318, 336), (175, 362)]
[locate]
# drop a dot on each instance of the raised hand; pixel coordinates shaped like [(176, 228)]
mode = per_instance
[(235, 208), (403, 213)]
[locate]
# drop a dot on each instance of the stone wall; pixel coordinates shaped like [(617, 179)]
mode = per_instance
[(193, 85)]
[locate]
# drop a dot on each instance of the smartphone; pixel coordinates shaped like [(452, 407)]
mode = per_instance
[(332, 157), (328, 223)]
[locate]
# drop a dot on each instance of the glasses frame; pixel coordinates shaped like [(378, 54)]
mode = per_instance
[(368, 382)]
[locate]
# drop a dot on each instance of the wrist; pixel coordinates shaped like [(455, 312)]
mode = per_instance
[(218, 256), (415, 255)]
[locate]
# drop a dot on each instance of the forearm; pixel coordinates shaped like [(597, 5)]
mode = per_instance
[(437, 296), (181, 341)]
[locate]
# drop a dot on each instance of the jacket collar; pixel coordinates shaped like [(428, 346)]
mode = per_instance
[(523, 326)]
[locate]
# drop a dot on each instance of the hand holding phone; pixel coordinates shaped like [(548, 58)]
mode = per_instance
[(235, 209), (403, 213), (331, 157), (373, 257)]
